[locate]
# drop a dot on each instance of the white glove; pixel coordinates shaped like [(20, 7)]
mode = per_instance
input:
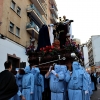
[(86, 92), (53, 72), (70, 73), (50, 68), (31, 93), (73, 55)]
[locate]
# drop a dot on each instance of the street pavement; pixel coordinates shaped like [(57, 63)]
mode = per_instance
[(96, 94)]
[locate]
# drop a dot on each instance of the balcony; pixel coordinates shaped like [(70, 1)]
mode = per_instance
[(91, 64), (90, 49), (44, 5), (36, 14), (38, 5), (53, 19), (31, 28), (91, 61), (53, 2), (54, 11), (91, 56)]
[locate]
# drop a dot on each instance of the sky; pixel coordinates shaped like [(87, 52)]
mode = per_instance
[(86, 16)]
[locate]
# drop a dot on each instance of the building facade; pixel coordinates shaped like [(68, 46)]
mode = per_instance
[(94, 50), (84, 50), (52, 11), (90, 52), (21, 21)]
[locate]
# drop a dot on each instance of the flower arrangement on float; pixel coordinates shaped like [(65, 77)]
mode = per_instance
[(50, 53)]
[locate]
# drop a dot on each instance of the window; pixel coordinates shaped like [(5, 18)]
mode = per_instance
[(13, 5), (17, 32), (11, 27), (18, 10)]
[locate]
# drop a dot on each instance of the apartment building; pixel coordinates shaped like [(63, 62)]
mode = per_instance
[(52, 11), (21, 21), (90, 52), (94, 50), (84, 51)]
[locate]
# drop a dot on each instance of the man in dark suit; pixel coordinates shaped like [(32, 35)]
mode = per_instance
[(94, 80), (8, 86)]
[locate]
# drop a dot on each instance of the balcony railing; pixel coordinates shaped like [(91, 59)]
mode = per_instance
[(32, 25), (91, 56), (90, 48), (32, 29), (53, 2), (39, 5), (54, 11), (53, 18), (43, 5), (36, 14), (91, 64)]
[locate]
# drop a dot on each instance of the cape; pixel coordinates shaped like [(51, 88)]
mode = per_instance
[(8, 86)]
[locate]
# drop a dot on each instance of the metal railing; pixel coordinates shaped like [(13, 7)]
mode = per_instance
[(52, 6), (42, 5), (32, 7), (53, 16), (32, 25)]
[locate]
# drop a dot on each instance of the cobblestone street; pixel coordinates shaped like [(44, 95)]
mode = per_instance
[(96, 94)]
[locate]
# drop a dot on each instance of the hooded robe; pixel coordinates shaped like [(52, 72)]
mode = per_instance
[(35, 72), (57, 84), (75, 85), (27, 84), (40, 87), (66, 80)]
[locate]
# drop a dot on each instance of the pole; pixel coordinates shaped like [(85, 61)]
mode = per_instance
[(50, 62)]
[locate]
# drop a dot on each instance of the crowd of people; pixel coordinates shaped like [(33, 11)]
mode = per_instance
[(77, 84)]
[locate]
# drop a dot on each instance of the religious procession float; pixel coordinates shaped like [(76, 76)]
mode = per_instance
[(55, 45)]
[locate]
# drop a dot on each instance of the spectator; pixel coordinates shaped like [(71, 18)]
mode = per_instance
[(8, 86)]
